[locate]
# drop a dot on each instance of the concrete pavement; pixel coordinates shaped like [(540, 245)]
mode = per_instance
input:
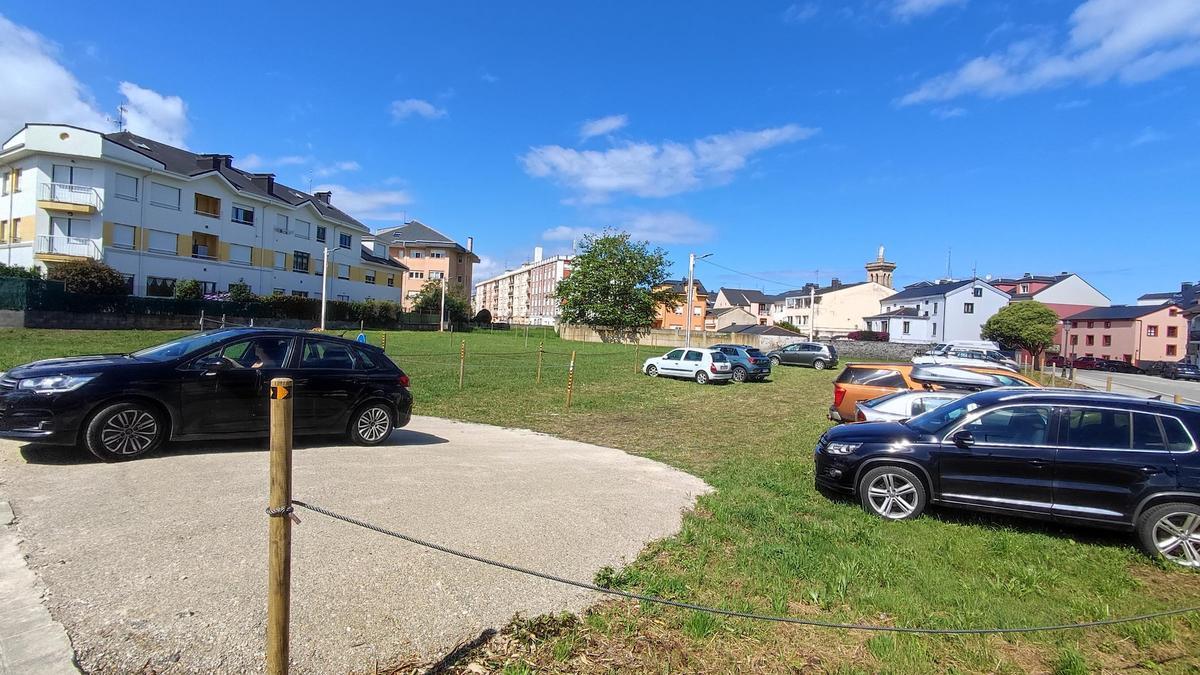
[(159, 564), (1145, 386)]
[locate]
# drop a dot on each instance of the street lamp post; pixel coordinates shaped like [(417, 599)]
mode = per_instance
[(324, 283), (691, 295), (442, 316)]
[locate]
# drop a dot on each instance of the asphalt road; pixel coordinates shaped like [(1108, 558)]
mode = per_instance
[(1145, 386), (159, 564)]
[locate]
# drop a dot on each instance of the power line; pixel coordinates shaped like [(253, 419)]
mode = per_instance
[(747, 274)]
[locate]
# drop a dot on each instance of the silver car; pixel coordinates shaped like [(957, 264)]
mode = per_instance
[(901, 405), (693, 363)]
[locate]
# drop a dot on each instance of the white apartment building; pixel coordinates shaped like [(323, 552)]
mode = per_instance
[(160, 214), (525, 294), (940, 311)]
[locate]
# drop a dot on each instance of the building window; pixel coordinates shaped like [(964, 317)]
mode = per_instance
[(277, 291), (1074, 340), (208, 206), (1171, 350), (320, 233), (1106, 340), (123, 235), (1090, 340), (239, 254), (391, 281), (460, 278), (415, 254), (416, 275), (243, 214), (164, 242), (343, 271), (16, 230), (934, 308), (300, 294), (160, 287), (369, 276), (935, 330), (208, 287), (300, 262), (1172, 331), (344, 298), (70, 175), (127, 187), (434, 274), (303, 229), (280, 260), (1091, 324), (1108, 324), (905, 327), (281, 223), (437, 254), (968, 308), (128, 283), (164, 196), (978, 291), (1024, 288), (1151, 331), (344, 241)]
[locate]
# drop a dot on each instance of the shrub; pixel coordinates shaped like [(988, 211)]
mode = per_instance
[(868, 336), (18, 272), (89, 277), (239, 291), (188, 289), (788, 325), (483, 316)]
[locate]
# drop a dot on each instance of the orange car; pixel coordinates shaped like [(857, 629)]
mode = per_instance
[(864, 381)]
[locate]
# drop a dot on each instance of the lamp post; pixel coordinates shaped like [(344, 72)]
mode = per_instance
[(691, 295), (324, 283), (442, 315)]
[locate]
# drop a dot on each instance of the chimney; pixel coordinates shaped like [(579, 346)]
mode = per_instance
[(266, 181), (537, 254), (1185, 286), (1026, 275), (835, 282), (470, 244), (324, 197), (218, 161)]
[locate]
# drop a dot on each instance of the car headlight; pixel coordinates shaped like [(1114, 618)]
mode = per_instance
[(842, 448), (55, 384)]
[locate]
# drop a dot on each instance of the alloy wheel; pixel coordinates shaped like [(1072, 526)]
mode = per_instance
[(652, 371), (1177, 537), (892, 496), (739, 374), (701, 377), (129, 432), (374, 423)]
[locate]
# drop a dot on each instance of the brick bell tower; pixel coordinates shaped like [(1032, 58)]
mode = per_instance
[(880, 270)]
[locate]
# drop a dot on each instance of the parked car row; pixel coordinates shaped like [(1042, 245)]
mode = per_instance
[(1172, 370), (865, 381), (979, 353), (739, 363)]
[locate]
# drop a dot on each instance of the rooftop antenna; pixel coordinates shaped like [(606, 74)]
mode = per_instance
[(120, 118), (949, 270)]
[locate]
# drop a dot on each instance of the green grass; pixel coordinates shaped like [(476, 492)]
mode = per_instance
[(765, 540)]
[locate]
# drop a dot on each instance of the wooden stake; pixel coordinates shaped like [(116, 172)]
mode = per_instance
[(462, 362), (526, 336), (637, 366), (570, 379), (279, 561), (385, 342), (541, 350), (1179, 398), (1108, 383)]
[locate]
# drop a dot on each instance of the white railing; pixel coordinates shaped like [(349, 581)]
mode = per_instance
[(65, 193), (79, 247)]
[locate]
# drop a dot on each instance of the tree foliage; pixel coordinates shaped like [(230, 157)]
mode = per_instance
[(612, 284), (89, 277), (18, 272), (239, 291), (188, 289), (429, 301), (482, 316), (1028, 324)]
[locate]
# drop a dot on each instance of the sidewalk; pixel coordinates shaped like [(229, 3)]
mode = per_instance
[(31, 642)]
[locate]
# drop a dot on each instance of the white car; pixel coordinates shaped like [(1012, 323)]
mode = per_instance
[(968, 357), (901, 405), (694, 363)]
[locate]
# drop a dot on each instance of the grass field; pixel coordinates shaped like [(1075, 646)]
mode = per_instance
[(765, 541)]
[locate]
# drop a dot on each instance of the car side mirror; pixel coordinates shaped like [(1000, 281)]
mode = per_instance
[(963, 438), (212, 364)]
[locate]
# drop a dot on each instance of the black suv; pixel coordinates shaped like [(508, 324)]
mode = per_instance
[(815, 354), (1082, 457), (210, 385)]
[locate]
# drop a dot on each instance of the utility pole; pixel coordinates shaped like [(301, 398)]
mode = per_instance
[(324, 283), (691, 297), (442, 316), (812, 310)]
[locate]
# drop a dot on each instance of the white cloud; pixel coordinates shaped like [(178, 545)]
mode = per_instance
[(602, 126), (1072, 104), (153, 115), (1127, 40), (254, 162), (326, 170), (655, 170), (490, 79), (911, 9), (486, 268), (416, 106), (1148, 135), (799, 12), (659, 227), (369, 204), (946, 112), (37, 88)]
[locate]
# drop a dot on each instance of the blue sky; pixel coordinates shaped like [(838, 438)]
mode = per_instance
[(784, 137)]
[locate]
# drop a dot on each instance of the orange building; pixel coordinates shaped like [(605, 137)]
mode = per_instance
[(669, 318), (428, 255), (1133, 333)]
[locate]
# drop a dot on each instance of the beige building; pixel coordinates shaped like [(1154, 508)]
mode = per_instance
[(428, 255), (525, 295), (836, 309)]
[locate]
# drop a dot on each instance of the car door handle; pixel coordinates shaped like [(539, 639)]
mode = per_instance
[(1151, 470), (1039, 462)]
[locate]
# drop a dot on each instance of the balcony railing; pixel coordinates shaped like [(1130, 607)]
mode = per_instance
[(76, 247), (65, 193)]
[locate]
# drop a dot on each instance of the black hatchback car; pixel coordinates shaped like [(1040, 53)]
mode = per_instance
[(1081, 457), (210, 385)]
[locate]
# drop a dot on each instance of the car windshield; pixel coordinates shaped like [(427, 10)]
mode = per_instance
[(754, 353), (886, 397), (179, 348), (937, 419)]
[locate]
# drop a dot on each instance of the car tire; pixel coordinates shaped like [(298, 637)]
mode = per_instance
[(775, 362), (652, 370), (123, 431), (739, 374), (371, 424), (819, 364), (892, 492), (1157, 526), (701, 377)]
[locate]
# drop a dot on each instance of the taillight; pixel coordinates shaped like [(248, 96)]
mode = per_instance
[(860, 417), (403, 380), (713, 367), (838, 395)]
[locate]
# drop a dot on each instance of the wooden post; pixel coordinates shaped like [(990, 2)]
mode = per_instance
[(541, 350), (462, 362), (279, 562), (526, 336), (202, 320), (1179, 398), (1052, 384), (570, 379), (637, 366), (1108, 383), (222, 320), (385, 341)]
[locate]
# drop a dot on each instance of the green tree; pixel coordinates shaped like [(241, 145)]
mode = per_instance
[(613, 286), (89, 277), (18, 272), (429, 300), (188, 289), (239, 291), (1028, 324)]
